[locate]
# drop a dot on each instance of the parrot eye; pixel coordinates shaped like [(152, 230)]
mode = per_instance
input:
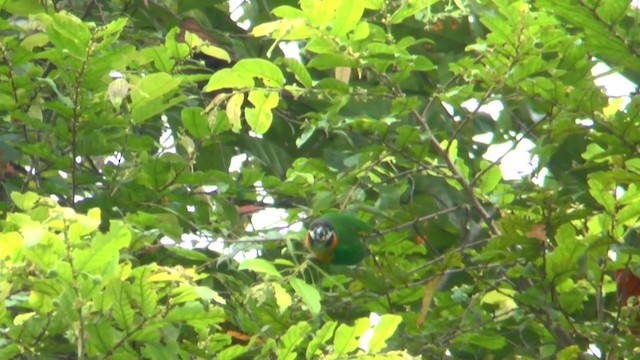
[(322, 234)]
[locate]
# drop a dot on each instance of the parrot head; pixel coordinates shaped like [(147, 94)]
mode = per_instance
[(321, 240)]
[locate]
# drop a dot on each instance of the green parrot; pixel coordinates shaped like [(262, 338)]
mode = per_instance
[(337, 239)]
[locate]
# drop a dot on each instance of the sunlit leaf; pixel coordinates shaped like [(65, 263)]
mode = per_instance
[(309, 294), (24, 201), (234, 111), (228, 78), (383, 330), (260, 116), (263, 69), (260, 266), (283, 299), (347, 337), (321, 337)]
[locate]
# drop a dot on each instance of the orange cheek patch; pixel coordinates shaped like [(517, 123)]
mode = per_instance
[(334, 243), (324, 255)]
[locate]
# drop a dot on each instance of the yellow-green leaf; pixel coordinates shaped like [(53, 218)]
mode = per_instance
[(20, 319), (320, 337), (283, 299), (24, 201), (260, 117), (234, 111), (347, 337), (228, 79), (347, 16), (263, 69), (384, 329), (260, 266), (216, 52), (309, 294)]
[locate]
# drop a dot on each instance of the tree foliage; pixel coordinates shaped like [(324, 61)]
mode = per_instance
[(120, 121)]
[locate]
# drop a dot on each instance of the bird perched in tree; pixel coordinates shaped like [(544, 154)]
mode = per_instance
[(336, 238)]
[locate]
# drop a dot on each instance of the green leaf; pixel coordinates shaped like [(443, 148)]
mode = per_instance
[(215, 52), (629, 214), (332, 61), (569, 353), (294, 28), (22, 8), (382, 331), (10, 351), (373, 4), (33, 234), (309, 294), (179, 50), (12, 246), (69, 34), (598, 34), (409, 8), (263, 69), (232, 352), (491, 342), (319, 338), (299, 71), (121, 309), (111, 31), (21, 318), (160, 57), (103, 252), (25, 201), (106, 332), (35, 40), (292, 339), (603, 193), (564, 258), (502, 298), (194, 314), (234, 111), (260, 266), (347, 337), (260, 117), (195, 121), (228, 78), (320, 13), (148, 97), (288, 12), (347, 16), (490, 179), (283, 299), (143, 293), (209, 294), (152, 87)]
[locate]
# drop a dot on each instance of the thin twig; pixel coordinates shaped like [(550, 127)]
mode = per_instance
[(513, 146), (419, 220)]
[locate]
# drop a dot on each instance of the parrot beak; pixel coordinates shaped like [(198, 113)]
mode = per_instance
[(321, 235)]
